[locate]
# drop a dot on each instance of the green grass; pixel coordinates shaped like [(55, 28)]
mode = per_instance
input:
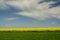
[(30, 35)]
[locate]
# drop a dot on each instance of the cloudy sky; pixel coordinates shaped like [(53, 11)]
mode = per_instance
[(29, 13)]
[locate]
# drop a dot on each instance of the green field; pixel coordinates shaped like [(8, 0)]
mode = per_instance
[(13, 35)]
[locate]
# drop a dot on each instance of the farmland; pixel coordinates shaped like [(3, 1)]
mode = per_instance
[(29, 29), (29, 35)]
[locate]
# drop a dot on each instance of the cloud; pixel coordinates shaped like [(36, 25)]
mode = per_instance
[(35, 8), (7, 25), (53, 23), (3, 5), (10, 19)]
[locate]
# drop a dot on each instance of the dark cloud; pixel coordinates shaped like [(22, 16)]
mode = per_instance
[(57, 3)]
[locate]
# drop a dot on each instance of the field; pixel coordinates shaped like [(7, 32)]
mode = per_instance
[(29, 35)]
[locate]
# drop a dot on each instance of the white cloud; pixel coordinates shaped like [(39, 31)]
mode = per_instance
[(53, 23), (3, 5), (22, 3), (10, 19), (31, 8), (8, 25)]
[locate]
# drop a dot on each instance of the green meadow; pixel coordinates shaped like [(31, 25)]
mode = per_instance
[(29, 35)]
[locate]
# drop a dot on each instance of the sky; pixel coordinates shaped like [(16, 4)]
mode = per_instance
[(29, 13)]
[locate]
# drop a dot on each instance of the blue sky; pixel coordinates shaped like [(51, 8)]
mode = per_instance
[(29, 13)]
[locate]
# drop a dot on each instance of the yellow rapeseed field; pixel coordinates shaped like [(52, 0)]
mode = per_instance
[(29, 29)]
